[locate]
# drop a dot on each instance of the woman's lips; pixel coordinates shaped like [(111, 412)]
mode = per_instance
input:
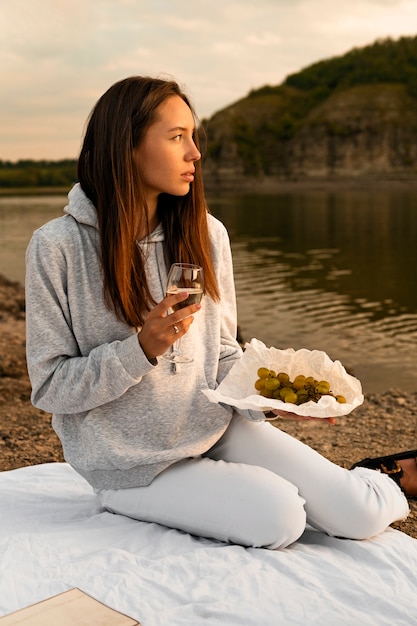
[(188, 176)]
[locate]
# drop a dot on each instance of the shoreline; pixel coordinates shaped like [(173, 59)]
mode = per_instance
[(259, 186), (32, 191), (269, 186)]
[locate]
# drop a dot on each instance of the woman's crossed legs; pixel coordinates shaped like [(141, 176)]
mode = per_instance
[(258, 487)]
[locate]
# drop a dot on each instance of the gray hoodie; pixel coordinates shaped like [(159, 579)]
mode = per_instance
[(120, 418)]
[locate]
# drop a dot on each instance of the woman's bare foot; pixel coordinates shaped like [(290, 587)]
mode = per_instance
[(409, 477)]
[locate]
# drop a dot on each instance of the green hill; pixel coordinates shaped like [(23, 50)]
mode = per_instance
[(353, 116)]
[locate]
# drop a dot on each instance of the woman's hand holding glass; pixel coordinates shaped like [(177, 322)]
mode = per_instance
[(188, 279), (158, 334)]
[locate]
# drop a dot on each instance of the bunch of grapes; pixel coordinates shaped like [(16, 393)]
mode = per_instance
[(301, 389)]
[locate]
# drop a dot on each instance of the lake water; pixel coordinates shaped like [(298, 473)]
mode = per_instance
[(333, 271)]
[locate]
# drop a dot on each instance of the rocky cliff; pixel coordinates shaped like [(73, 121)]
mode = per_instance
[(344, 123)]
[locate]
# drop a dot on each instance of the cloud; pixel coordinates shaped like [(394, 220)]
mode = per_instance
[(58, 56)]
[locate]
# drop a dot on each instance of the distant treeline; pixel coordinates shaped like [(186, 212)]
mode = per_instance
[(30, 173)]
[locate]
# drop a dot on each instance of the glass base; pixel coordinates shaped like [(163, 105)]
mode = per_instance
[(177, 358)]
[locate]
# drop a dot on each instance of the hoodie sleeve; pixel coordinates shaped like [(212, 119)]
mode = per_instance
[(64, 377), (230, 351)]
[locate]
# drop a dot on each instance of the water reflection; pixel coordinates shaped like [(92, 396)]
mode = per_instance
[(358, 243), (19, 217), (331, 271), (327, 271)]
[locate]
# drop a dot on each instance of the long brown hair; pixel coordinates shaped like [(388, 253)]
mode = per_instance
[(110, 178)]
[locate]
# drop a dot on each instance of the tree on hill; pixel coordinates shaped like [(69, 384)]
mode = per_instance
[(385, 61)]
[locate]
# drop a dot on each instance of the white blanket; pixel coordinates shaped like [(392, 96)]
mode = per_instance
[(54, 536)]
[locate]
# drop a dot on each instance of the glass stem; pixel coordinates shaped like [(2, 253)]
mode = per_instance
[(176, 347)]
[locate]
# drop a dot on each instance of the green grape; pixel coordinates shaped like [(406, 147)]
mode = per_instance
[(299, 382), (284, 392), (341, 399), (260, 384), (272, 383), (302, 396), (263, 372), (291, 397), (283, 377), (322, 387)]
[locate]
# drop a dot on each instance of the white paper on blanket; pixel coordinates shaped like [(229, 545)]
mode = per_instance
[(237, 389)]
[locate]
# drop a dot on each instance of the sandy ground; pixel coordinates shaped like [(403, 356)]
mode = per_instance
[(384, 424)]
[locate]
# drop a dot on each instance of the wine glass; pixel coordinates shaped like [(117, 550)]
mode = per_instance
[(183, 277)]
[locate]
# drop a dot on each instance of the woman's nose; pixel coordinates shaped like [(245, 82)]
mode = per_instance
[(195, 154)]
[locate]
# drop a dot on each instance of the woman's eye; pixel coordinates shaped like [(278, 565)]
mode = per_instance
[(177, 137)]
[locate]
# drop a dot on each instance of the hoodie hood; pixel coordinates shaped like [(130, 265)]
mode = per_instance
[(80, 207), (83, 210)]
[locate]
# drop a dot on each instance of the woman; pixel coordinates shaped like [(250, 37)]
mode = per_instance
[(136, 427)]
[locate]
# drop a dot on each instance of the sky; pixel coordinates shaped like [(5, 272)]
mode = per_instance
[(57, 57)]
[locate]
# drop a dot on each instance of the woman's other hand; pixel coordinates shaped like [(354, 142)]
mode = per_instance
[(302, 418)]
